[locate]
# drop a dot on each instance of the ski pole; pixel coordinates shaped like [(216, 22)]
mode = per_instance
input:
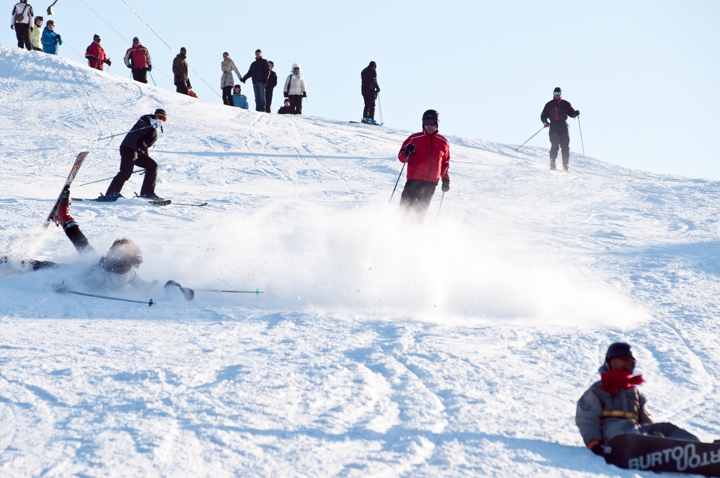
[(438, 216), (141, 171), (126, 132), (531, 137), (152, 78), (581, 142), (256, 291), (62, 290), (382, 120), (398, 179)]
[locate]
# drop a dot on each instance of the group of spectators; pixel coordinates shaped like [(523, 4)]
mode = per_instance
[(29, 30)]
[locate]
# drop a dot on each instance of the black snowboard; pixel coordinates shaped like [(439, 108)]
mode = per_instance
[(643, 452)]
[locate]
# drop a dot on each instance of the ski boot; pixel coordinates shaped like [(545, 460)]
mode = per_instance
[(365, 120), (110, 197), (552, 165), (151, 197)]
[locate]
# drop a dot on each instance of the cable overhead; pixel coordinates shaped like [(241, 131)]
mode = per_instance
[(166, 44), (101, 18)]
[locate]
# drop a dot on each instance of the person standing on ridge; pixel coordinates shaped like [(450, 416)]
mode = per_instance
[(295, 89), (95, 54), (269, 87), (554, 115), (21, 21), (134, 151), (36, 34), (260, 72), (427, 155), (614, 405), (369, 90), (50, 40), (138, 59), (226, 81), (180, 71)]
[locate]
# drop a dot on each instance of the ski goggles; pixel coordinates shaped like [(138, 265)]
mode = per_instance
[(161, 117), (430, 122)]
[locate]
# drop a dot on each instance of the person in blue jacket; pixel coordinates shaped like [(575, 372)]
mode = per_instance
[(50, 40), (239, 100)]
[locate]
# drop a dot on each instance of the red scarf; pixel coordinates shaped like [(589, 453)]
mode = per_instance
[(618, 379)]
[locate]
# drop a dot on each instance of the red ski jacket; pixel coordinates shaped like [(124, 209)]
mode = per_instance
[(431, 159), (138, 58), (95, 55)]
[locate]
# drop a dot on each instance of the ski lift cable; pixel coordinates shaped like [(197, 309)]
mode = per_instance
[(166, 44), (101, 18)]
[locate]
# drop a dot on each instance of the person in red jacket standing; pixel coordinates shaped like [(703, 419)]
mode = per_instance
[(95, 54), (137, 58), (428, 158)]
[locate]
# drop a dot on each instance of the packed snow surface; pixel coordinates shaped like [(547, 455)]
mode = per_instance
[(377, 348)]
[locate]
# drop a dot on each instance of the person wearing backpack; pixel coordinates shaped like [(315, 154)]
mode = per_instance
[(21, 21), (295, 89), (36, 33), (50, 40), (95, 54)]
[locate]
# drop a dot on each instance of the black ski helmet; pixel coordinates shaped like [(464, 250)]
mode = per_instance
[(618, 349), (431, 114)]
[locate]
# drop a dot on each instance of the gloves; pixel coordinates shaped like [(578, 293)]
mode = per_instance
[(578, 112), (173, 291), (149, 67), (596, 447), (409, 149), (546, 125), (304, 94), (285, 94), (446, 185), (108, 62), (189, 86), (12, 27), (57, 39), (31, 28)]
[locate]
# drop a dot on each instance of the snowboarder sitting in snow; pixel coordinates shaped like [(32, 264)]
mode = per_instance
[(115, 269), (286, 109), (134, 151), (239, 100), (428, 156), (615, 405)]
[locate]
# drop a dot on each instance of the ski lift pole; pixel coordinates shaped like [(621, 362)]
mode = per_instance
[(531, 137), (581, 142)]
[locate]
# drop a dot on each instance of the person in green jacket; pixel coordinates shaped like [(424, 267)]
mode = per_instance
[(36, 33)]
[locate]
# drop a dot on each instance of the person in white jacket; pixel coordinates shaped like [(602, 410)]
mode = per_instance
[(226, 82), (22, 22), (295, 89)]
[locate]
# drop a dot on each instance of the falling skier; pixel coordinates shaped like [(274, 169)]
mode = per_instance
[(113, 271), (134, 151), (428, 157), (614, 405), (554, 115)]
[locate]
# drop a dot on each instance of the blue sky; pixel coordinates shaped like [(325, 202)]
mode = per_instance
[(643, 73)]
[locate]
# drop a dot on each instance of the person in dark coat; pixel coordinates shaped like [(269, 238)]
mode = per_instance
[(554, 115), (615, 405), (286, 109), (180, 71), (21, 21), (269, 87), (369, 90), (259, 71), (134, 151)]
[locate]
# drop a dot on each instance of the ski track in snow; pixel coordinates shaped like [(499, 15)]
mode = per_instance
[(377, 349)]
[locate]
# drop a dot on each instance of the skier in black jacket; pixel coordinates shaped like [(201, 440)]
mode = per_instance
[(134, 151), (369, 90), (269, 87), (260, 72), (555, 115)]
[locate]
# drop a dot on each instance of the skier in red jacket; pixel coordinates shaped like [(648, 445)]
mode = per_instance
[(428, 157), (138, 59), (95, 54)]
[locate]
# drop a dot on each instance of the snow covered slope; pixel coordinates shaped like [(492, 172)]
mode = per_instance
[(377, 348)]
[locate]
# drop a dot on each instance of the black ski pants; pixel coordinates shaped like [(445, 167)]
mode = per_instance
[(22, 33), (416, 197), (668, 430), (227, 96), (181, 88), (369, 111), (140, 74), (559, 138), (78, 239), (268, 99), (128, 159), (295, 104)]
